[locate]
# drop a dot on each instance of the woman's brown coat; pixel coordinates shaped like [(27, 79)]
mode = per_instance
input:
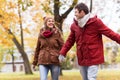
[(47, 49)]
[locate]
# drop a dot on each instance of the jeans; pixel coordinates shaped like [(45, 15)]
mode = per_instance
[(54, 69), (89, 72)]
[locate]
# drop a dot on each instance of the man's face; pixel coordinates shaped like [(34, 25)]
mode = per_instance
[(78, 14)]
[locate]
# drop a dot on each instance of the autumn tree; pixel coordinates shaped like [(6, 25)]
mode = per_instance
[(8, 19), (59, 8)]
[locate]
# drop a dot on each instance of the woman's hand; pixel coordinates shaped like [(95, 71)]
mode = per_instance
[(34, 67)]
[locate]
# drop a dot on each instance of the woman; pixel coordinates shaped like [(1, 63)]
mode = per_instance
[(47, 50)]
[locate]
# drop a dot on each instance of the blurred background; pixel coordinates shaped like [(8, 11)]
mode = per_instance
[(21, 20)]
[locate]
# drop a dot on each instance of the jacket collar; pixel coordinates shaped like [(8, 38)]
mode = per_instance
[(90, 19), (83, 21)]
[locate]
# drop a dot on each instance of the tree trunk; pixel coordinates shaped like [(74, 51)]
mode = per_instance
[(27, 66), (20, 21), (59, 19), (91, 5), (13, 64)]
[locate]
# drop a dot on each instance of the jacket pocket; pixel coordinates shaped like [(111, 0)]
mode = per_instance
[(54, 57), (93, 50), (43, 56)]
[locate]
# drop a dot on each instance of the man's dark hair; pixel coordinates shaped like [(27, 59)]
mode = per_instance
[(82, 6)]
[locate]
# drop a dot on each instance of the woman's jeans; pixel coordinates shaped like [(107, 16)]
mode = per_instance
[(89, 72), (54, 69)]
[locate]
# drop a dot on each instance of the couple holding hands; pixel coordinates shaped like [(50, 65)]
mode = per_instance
[(86, 32)]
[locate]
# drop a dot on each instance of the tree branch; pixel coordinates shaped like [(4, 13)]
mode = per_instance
[(18, 45), (56, 9), (69, 10)]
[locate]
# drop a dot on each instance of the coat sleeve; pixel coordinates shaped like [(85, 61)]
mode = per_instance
[(69, 43), (103, 29), (36, 54)]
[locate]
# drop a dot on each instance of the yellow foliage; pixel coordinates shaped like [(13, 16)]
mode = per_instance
[(31, 42), (7, 17), (9, 20), (12, 5), (26, 30), (38, 18), (6, 42), (2, 3), (5, 38)]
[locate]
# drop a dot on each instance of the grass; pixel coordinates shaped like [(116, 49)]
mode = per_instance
[(67, 75)]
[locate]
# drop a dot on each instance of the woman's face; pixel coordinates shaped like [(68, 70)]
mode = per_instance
[(50, 23)]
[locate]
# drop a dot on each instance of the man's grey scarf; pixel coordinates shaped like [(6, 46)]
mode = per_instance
[(83, 21)]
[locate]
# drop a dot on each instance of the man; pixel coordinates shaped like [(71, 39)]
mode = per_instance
[(87, 32)]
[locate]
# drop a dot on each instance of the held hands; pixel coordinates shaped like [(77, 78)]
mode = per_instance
[(61, 58)]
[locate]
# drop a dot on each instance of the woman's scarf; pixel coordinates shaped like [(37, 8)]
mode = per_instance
[(48, 33)]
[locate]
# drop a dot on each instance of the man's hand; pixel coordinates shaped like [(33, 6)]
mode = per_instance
[(61, 58)]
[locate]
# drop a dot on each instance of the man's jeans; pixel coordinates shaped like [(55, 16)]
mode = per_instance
[(89, 72), (54, 69)]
